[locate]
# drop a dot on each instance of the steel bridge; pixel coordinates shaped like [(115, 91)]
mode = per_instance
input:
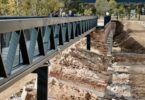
[(27, 44)]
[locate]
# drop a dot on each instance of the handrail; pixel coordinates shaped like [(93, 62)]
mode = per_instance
[(20, 24)]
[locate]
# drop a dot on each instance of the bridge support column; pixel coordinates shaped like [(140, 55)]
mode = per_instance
[(42, 83), (88, 41)]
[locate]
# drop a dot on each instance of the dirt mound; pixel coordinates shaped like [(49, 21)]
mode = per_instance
[(61, 91), (129, 58), (129, 36), (78, 73), (120, 34), (97, 42), (82, 67)]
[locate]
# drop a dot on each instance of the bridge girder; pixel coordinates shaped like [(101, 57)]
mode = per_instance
[(26, 44)]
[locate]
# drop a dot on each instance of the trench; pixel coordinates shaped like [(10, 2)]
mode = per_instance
[(80, 74), (128, 62)]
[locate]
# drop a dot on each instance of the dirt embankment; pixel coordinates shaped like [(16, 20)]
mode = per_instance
[(97, 42), (131, 71), (78, 73), (129, 36), (127, 82), (129, 59), (128, 71)]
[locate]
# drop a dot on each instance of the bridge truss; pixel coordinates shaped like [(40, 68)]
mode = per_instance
[(26, 46)]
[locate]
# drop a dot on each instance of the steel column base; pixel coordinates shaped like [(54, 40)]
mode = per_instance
[(42, 83), (88, 41)]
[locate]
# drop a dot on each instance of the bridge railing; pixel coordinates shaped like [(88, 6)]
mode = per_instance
[(25, 44)]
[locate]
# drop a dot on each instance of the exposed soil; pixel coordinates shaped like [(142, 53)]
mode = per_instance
[(80, 69), (59, 90), (131, 76), (80, 74), (130, 36), (128, 61), (24, 86)]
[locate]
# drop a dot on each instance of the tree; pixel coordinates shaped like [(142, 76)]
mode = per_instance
[(101, 7), (121, 11), (12, 5), (66, 4), (138, 11), (26, 8), (34, 7), (3, 7), (128, 11), (29, 7), (54, 5), (73, 5), (112, 6), (42, 7), (88, 12)]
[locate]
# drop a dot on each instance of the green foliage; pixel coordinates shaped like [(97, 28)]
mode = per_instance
[(88, 12), (12, 5), (101, 7), (138, 9), (75, 5), (112, 6), (42, 7), (29, 7), (3, 7), (25, 8), (54, 5), (121, 11), (132, 6)]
